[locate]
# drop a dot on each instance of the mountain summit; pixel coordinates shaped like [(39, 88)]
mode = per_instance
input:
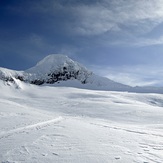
[(56, 62), (59, 70), (55, 68)]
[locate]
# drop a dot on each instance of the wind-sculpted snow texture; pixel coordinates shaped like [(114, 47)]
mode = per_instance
[(62, 124)]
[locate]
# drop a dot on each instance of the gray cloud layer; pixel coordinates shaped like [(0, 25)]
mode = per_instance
[(102, 32)]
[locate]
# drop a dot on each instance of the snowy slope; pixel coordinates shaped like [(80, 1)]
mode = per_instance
[(8, 75), (63, 124)]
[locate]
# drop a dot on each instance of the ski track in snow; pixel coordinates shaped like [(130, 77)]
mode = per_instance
[(25, 128), (67, 142), (141, 132)]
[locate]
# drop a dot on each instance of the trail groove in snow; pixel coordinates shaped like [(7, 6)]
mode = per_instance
[(37, 126), (131, 130)]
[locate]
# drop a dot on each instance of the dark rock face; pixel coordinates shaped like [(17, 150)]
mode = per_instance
[(37, 82), (10, 79), (21, 78), (61, 76), (58, 76)]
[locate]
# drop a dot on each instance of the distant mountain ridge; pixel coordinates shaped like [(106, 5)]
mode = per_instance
[(60, 70), (57, 68)]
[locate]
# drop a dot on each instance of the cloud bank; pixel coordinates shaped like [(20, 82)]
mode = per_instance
[(107, 33)]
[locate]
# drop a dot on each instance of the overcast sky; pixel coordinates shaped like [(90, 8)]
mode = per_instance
[(120, 39)]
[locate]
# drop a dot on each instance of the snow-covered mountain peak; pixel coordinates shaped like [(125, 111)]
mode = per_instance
[(54, 59), (55, 68), (56, 62)]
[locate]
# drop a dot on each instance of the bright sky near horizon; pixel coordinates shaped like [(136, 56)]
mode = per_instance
[(120, 39)]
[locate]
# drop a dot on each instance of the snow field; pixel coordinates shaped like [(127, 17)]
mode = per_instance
[(49, 124)]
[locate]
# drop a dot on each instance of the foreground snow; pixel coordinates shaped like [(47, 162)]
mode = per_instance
[(48, 124)]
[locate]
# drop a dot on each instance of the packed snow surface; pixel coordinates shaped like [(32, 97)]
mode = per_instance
[(44, 124)]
